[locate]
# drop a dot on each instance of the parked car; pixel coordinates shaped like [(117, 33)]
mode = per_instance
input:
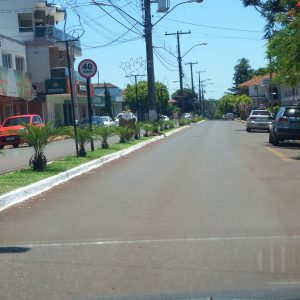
[(286, 125), (96, 120), (187, 116), (107, 121), (164, 118), (12, 125), (259, 119), (127, 115)]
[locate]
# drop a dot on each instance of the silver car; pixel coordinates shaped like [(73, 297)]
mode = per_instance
[(259, 119)]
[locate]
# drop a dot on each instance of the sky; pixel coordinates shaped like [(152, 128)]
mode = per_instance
[(118, 47)]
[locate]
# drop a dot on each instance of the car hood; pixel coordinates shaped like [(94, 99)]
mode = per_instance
[(10, 129)]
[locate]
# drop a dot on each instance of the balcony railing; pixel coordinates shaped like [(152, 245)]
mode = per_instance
[(53, 33)]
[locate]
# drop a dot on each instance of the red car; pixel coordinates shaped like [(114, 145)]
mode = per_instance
[(10, 127)]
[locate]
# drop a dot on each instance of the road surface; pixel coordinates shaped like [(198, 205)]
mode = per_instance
[(210, 211)]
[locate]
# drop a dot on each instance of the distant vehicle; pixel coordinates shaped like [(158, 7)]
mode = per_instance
[(286, 125), (187, 116), (127, 115), (96, 120), (107, 121), (259, 119), (164, 118), (12, 125), (229, 116)]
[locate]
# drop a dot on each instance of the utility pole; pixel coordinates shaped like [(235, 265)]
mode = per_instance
[(192, 77), (179, 58), (72, 95), (199, 92), (140, 117), (192, 80), (150, 62)]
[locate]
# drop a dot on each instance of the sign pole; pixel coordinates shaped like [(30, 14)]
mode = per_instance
[(87, 69), (90, 111)]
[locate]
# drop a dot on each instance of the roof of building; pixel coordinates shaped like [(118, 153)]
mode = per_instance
[(102, 85), (253, 81)]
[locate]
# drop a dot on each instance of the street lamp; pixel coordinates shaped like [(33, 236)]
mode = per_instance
[(149, 46)]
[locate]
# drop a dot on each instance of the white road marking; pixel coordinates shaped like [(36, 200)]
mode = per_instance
[(285, 282), (150, 241)]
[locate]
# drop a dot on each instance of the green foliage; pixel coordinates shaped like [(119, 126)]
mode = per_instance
[(239, 104), (39, 137), (137, 133), (108, 102), (136, 97), (274, 109), (185, 99), (84, 136), (103, 133), (242, 73), (147, 127), (183, 122), (124, 133)]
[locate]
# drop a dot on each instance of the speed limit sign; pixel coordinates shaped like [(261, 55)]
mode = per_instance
[(87, 68)]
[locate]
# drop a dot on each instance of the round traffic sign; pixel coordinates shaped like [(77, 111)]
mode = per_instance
[(87, 68)]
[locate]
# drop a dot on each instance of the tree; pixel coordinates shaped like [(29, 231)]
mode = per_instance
[(242, 73), (108, 103), (185, 99), (269, 9), (284, 48), (136, 97), (238, 104)]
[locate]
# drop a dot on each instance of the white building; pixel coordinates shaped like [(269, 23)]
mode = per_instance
[(16, 85), (33, 22)]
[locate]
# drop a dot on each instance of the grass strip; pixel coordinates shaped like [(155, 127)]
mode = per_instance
[(21, 178)]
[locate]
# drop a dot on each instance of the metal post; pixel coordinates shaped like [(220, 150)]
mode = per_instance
[(72, 99), (150, 62), (199, 93), (90, 110)]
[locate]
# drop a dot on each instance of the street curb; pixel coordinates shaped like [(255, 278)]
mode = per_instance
[(24, 193)]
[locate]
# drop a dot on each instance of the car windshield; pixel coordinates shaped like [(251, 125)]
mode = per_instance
[(261, 113), (292, 112), (94, 120), (16, 121)]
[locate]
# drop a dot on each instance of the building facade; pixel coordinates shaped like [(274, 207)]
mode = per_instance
[(15, 83), (34, 23), (99, 98)]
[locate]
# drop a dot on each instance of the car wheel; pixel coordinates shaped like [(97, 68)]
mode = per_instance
[(1, 147), (270, 138), (15, 145), (248, 129), (275, 140)]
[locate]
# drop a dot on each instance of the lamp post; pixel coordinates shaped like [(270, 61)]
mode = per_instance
[(148, 26)]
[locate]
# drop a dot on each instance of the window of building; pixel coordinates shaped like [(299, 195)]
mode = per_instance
[(25, 22), (7, 61), (20, 64)]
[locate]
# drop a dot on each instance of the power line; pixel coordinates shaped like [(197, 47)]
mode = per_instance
[(215, 27)]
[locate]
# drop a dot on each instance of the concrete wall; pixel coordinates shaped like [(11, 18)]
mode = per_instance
[(38, 63), (15, 48), (9, 10)]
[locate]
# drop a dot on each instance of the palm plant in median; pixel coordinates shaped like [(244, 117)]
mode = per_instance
[(124, 133), (147, 128), (103, 133), (39, 137), (84, 135)]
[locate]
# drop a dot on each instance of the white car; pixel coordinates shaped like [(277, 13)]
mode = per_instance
[(107, 121), (127, 115), (164, 118)]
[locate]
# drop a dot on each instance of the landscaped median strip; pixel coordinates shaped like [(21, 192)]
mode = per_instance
[(28, 191)]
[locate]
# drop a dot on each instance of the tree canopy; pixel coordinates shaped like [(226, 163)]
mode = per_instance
[(185, 99), (136, 97)]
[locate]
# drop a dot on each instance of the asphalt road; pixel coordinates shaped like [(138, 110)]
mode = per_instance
[(210, 211), (18, 158)]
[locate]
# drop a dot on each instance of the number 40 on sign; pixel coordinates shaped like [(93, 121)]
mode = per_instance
[(87, 68)]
